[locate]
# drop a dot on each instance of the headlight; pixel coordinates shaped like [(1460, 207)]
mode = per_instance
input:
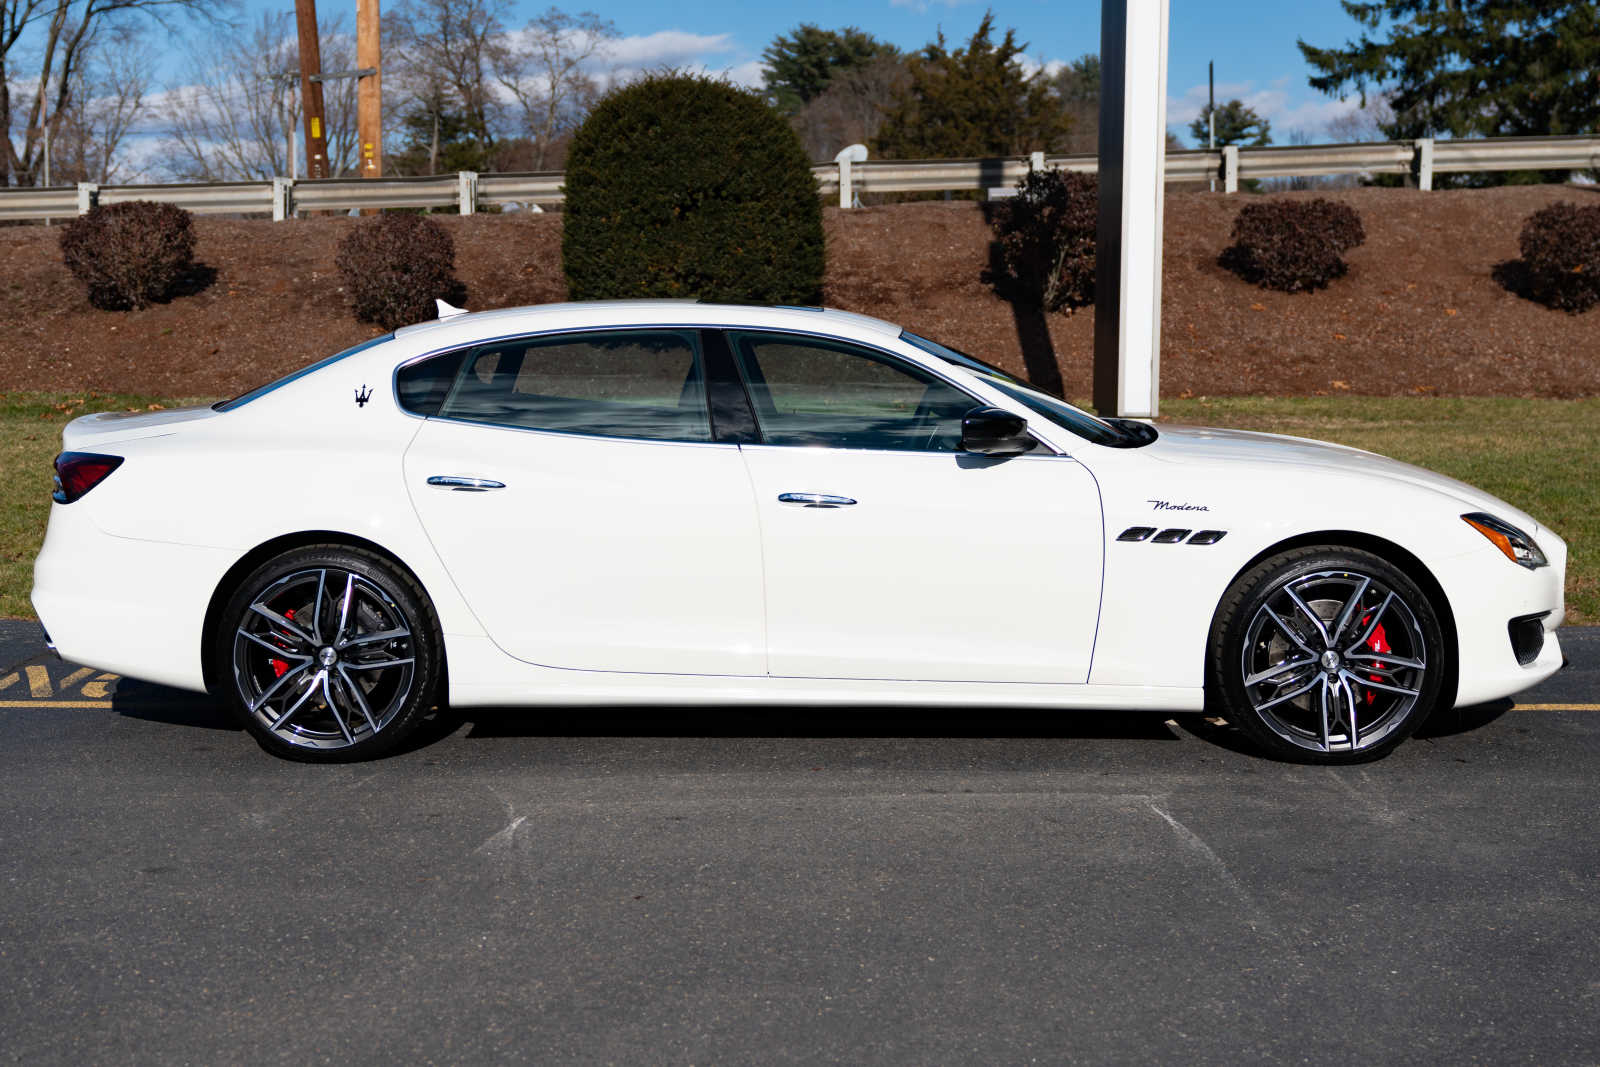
[(1518, 547)]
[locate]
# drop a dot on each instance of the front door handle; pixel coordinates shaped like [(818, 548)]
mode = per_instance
[(815, 500), (462, 484)]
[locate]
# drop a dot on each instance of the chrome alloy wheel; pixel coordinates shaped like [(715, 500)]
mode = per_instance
[(324, 658), (1333, 661)]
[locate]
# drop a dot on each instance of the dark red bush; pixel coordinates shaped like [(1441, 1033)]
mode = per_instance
[(395, 266), (129, 255), (1561, 256), (1045, 234), (1293, 245)]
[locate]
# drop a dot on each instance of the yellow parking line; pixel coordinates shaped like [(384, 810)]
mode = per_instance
[(39, 682), (75, 677), (9, 680), (80, 705), (1558, 707)]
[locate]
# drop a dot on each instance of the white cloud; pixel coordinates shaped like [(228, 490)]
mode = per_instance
[(715, 54), (1271, 103), (921, 6)]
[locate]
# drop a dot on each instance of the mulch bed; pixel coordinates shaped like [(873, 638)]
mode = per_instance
[(1419, 312)]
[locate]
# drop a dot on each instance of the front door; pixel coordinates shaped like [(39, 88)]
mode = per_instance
[(889, 553)]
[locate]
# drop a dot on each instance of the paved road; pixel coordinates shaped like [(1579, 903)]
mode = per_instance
[(692, 886)]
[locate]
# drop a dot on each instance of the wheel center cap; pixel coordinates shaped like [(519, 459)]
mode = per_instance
[(1331, 660), (328, 656)]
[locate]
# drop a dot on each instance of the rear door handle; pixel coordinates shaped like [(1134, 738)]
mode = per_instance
[(815, 500), (462, 484)]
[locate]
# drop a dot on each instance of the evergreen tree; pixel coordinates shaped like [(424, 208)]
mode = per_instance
[(800, 64), (972, 101), (1236, 124), (1471, 67)]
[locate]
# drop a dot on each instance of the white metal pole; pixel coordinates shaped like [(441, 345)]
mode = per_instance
[(1133, 143)]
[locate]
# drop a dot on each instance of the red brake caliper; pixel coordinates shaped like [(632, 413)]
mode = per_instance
[(279, 666), (1379, 643)]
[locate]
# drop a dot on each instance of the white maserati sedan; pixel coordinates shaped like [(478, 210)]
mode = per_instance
[(681, 503)]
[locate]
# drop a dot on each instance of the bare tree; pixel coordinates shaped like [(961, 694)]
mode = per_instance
[(851, 109), (62, 31), (439, 63), (543, 68), (108, 100), (238, 115), (1365, 123)]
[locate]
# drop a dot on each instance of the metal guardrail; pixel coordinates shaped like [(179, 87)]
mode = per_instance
[(466, 192)]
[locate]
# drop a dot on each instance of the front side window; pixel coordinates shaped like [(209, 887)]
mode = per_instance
[(634, 383), (825, 393)]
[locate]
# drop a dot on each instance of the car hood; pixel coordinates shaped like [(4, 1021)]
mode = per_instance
[(104, 427), (1198, 444)]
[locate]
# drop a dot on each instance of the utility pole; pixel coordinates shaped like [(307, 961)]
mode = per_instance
[(1211, 113), (305, 13), (369, 89), (1133, 149)]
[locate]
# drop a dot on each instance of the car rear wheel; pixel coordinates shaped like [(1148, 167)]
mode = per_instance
[(1326, 655), (331, 654)]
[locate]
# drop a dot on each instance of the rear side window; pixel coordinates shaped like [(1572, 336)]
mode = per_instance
[(810, 391), (637, 383)]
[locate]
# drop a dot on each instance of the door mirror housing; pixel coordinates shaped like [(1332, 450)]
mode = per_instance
[(995, 432)]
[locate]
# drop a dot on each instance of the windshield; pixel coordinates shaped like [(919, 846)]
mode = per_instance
[(1117, 434), (262, 390)]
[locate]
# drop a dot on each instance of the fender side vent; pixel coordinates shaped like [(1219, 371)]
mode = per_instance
[(1208, 537), (1171, 537), (1136, 533)]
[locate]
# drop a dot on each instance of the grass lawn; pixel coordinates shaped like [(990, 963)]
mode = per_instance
[(1540, 455)]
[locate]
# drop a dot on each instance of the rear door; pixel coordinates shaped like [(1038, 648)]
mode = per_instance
[(576, 493)]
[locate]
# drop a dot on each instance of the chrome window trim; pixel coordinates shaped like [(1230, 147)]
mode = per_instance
[(898, 357), (394, 381), (938, 372)]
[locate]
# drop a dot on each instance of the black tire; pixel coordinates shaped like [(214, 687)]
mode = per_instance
[(316, 679), (1269, 669)]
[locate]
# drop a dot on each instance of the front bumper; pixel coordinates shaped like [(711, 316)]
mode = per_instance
[(1486, 593)]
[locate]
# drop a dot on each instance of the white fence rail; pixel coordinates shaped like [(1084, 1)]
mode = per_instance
[(283, 198)]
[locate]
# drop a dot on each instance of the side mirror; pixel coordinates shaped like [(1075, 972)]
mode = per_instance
[(995, 432)]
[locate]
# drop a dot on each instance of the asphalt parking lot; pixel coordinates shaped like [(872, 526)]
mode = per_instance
[(692, 886)]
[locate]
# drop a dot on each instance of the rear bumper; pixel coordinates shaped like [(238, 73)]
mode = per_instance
[(134, 608)]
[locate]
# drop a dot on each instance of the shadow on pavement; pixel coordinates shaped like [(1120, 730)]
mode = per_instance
[(158, 704), (809, 722), (174, 707)]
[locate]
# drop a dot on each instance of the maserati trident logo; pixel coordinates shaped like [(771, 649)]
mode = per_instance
[(362, 396), (1163, 505)]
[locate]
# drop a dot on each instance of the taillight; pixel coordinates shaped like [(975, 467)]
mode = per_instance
[(79, 472)]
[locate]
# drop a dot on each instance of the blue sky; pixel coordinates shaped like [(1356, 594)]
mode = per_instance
[(1253, 43)]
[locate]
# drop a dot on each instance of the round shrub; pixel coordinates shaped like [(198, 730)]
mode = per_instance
[(1561, 255), (394, 266), (1045, 236), (129, 255), (683, 186), (1293, 245)]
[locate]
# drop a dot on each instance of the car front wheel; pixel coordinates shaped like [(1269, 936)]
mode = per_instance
[(331, 654), (1326, 655)]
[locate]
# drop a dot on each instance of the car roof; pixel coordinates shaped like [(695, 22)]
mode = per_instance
[(581, 314)]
